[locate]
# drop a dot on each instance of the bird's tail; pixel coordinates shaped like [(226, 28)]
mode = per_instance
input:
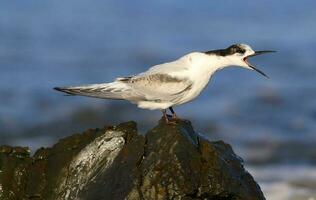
[(114, 90)]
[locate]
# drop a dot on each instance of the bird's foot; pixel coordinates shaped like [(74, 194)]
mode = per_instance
[(170, 120)]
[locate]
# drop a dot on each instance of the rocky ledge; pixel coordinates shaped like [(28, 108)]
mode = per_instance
[(169, 162)]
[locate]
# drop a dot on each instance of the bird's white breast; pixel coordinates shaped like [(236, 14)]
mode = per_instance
[(199, 72)]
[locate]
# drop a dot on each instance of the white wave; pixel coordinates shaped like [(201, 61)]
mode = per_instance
[(283, 182)]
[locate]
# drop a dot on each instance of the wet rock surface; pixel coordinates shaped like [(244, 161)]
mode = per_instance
[(170, 162)]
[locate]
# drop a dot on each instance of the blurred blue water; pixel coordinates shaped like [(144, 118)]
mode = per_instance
[(51, 43)]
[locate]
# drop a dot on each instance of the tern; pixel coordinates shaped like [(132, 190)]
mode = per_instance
[(173, 83)]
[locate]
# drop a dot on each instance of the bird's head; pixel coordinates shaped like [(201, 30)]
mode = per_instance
[(238, 54)]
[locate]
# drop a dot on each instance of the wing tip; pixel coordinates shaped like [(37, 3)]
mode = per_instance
[(63, 89), (58, 89)]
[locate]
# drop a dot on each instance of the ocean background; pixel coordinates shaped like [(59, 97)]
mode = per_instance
[(271, 123)]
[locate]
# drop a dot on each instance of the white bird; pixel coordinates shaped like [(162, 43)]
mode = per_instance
[(170, 84)]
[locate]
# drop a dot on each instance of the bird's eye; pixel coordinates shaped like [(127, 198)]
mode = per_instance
[(240, 50), (233, 50), (236, 49)]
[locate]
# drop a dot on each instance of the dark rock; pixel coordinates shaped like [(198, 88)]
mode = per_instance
[(169, 162), (14, 163)]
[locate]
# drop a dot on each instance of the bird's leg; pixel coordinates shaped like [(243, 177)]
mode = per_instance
[(174, 115), (165, 115), (164, 112)]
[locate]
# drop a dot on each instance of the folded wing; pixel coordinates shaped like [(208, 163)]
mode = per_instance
[(160, 83), (157, 87)]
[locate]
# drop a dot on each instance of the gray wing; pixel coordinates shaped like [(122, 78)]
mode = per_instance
[(158, 87)]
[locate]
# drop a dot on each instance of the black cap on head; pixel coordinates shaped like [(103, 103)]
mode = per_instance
[(235, 48)]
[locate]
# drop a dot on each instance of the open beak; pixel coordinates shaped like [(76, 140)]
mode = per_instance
[(256, 54)]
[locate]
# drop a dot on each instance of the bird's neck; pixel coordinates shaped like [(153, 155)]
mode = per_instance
[(219, 62), (204, 66)]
